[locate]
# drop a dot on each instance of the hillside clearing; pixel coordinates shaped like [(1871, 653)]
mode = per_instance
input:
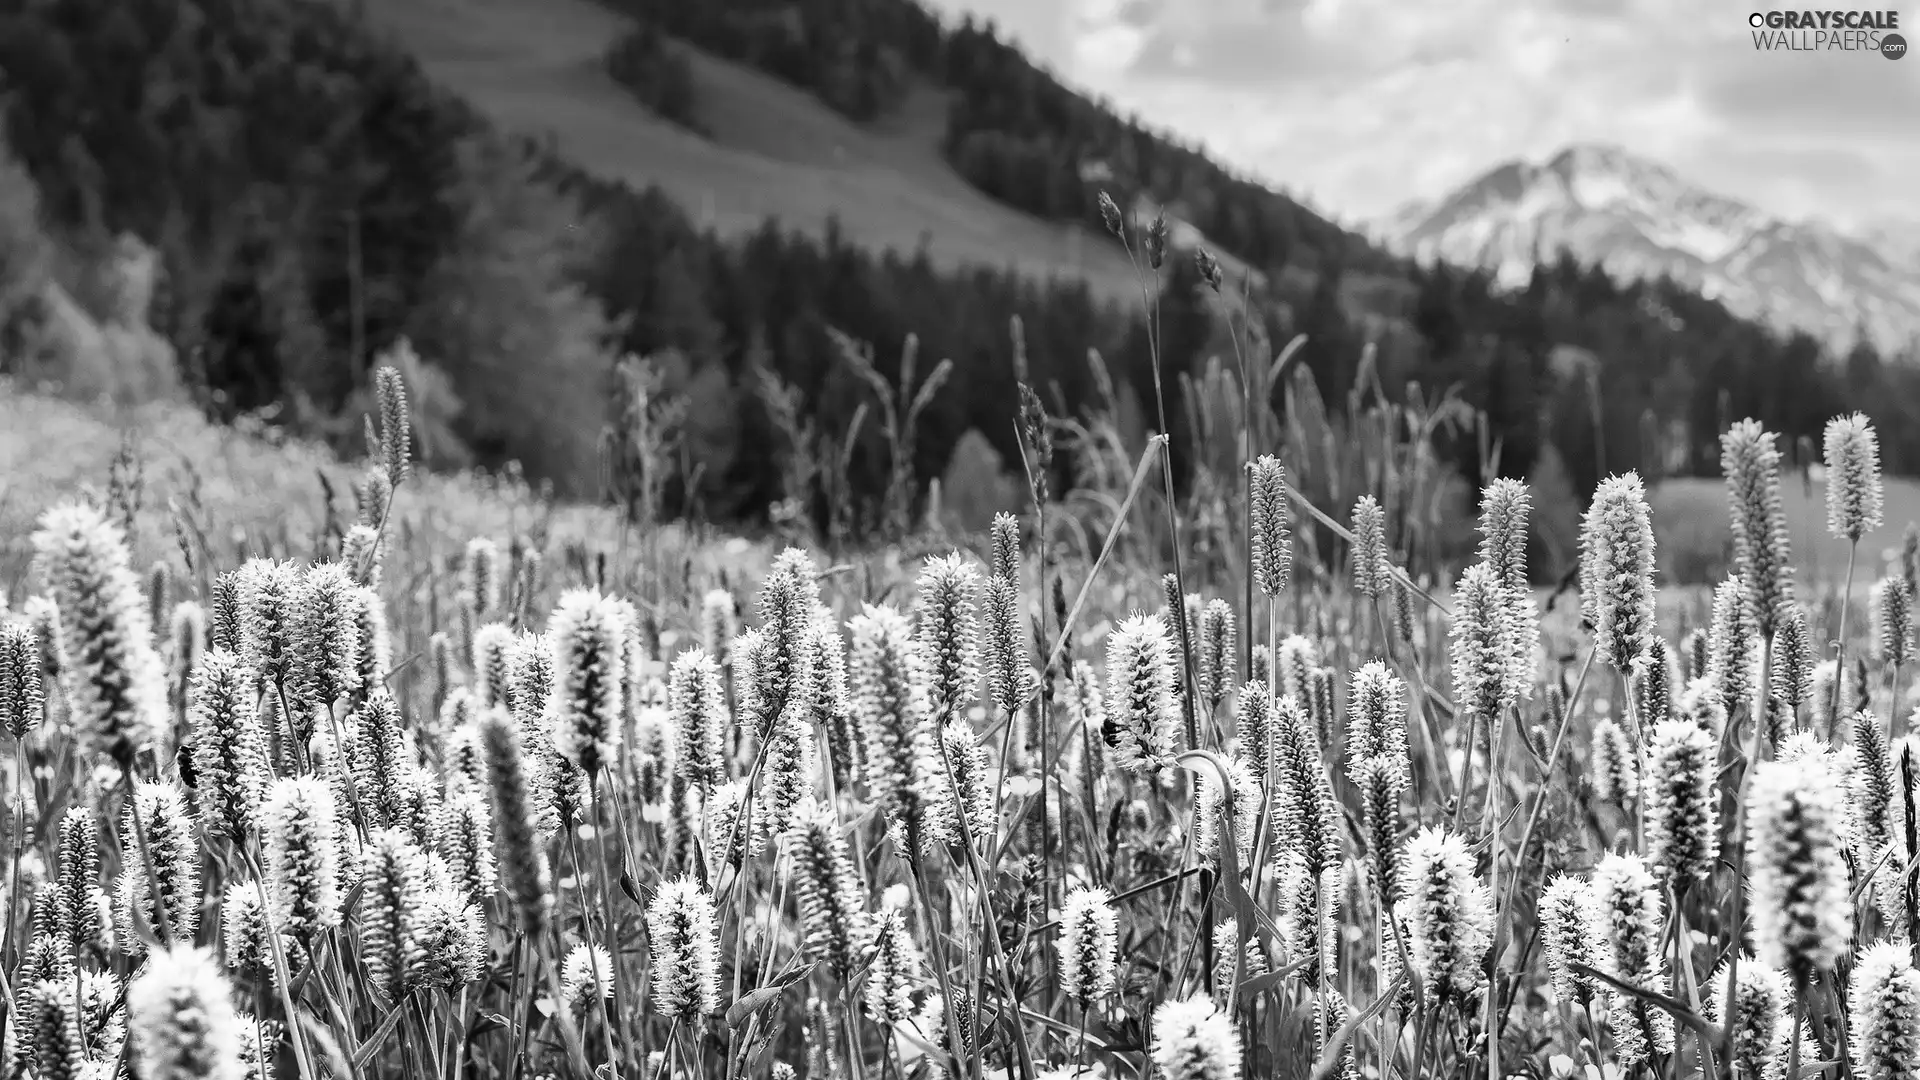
[(535, 68)]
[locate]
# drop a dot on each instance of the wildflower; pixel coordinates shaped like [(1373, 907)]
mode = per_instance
[(464, 832), (1306, 815), (966, 762), (1563, 912), (1703, 705), (887, 700), (446, 939), (1730, 645), (1854, 494), (589, 670), (787, 775), (1143, 716), (79, 861), (1268, 516), (686, 954), (1885, 1013), (22, 702), (303, 869), (326, 636), (181, 1017), (1089, 945), (1754, 1011), (480, 575), (373, 645), (1448, 914), (1330, 1013), (494, 647), (187, 640), (832, 911), (1254, 729), (393, 876), (1616, 569), (1653, 681), (1616, 778), (1751, 463), (244, 932), (1376, 718), (783, 666), (1792, 659), (1683, 802), (1297, 659), (1004, 642), (893, 972), (360, 553), (699, 702), (1486, 670), (832, 706), (1802, 911), (1226, 946), (1873, 786), (115, 686), (718, 616), (1247, 795), (1382, 780), (172, 856), (1372, 573), (1892, 609), (1505, 505), (587, 977), (1193, 1040), (725, 837), (1217, 667), (1624, 919), (530, 681), (379, 761), (946, 637), (390, 391), (521, 859), (268, 631)]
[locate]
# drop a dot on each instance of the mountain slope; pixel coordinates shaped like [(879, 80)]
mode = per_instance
[(535, 67), (1639, 219)]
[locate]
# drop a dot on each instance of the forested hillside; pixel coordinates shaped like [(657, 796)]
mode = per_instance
[(316, 197)]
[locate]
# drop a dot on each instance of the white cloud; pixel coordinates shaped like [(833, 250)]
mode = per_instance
[(1365, 104)]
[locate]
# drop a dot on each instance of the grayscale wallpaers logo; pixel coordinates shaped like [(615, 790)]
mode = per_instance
[(1829, 31)]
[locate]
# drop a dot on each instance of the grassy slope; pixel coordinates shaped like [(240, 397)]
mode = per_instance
[(535, 67), (254, 494)]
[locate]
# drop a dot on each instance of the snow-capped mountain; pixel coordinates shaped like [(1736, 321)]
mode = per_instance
[(1638, 218)]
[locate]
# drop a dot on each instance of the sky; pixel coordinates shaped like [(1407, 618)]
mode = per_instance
[(1364, 105)]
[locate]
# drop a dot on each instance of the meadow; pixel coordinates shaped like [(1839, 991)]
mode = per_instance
[(336, 767)]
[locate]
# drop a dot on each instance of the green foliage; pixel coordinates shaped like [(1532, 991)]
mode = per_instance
[(657, 74)]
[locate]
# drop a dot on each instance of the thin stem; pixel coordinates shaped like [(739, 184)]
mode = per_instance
[(1840, 645)]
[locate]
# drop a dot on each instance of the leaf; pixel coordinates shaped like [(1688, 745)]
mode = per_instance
[(372, 1045), (632, 888), (1673, 1006), (1330, 1059), (751, 1002), (485, 1022)]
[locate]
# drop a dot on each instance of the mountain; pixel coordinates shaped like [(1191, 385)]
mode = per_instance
[(1639, 219)]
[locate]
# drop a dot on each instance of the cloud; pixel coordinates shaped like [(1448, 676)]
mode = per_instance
[(1363, 105)]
